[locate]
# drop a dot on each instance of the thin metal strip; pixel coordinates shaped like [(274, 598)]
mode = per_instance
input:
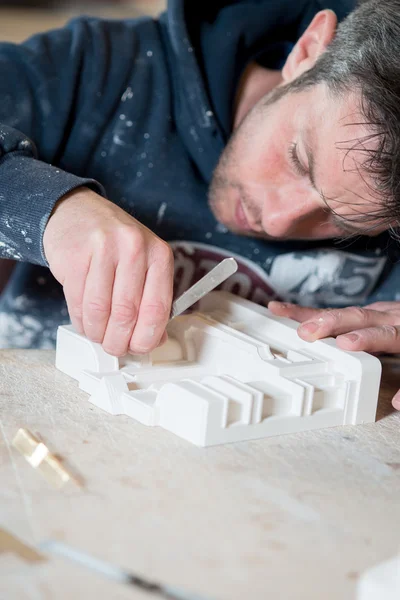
[(206, 284)]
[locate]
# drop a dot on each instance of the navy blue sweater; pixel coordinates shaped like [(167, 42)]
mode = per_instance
[(140, 111)]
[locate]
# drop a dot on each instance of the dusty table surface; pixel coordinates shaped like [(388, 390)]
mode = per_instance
[(292, 517)]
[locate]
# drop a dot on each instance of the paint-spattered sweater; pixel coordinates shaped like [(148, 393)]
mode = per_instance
[(140, 111)]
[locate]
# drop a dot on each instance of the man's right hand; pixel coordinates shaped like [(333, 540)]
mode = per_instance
[(117, 275)]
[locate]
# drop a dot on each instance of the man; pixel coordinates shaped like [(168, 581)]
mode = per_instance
[(135, 117)]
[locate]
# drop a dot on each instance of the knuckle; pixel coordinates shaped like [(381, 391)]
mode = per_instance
[(98, 309), (133, 241), (162, 252), (391, 332), (99, 239), (156, 312), (332, 316), (123, 312)]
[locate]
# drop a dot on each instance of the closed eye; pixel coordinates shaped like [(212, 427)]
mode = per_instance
[(295, 162), (344, 227)]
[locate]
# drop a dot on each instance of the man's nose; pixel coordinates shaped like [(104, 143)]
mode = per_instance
[(283, 218)]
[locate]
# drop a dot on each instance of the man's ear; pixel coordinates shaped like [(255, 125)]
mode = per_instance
[(311, 45)]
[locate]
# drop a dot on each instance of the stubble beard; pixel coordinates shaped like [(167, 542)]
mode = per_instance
[(223, 177)]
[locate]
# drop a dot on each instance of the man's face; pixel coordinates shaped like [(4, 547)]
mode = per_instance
[(292, 169)]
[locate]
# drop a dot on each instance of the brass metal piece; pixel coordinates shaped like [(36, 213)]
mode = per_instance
[(39, 457), (11, 544)]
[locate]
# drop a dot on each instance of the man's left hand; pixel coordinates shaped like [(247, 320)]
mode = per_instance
[(374, 328)]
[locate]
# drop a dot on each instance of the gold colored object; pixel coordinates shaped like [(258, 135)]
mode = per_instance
[(39, 457), (11, 544)]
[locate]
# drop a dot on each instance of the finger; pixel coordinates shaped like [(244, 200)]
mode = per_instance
[(74, 287), (396, 401), (292, 311), (384, 306), (97, 296), (164, 338), (385, 338), (126, 298), (344, 320), (155, 307)]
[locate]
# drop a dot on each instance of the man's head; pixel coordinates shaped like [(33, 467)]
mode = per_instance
[(319, 156)]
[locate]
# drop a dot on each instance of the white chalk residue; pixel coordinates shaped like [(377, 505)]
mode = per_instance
[(161, 212), (25, 332), (21, 302), (127, 95), (6, 248), (220, 228), (13, 334), (118, 141)]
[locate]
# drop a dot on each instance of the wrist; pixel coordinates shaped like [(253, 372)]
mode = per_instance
[(77, 194)]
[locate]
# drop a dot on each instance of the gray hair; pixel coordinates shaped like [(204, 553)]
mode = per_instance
[(364, 57)]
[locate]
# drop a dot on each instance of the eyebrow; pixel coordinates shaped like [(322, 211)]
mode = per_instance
[(311, 165)]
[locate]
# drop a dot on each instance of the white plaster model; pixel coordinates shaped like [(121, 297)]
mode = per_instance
[(231, 371), (381, 582)]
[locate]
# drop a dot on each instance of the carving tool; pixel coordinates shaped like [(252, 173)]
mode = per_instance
[(206, 284)]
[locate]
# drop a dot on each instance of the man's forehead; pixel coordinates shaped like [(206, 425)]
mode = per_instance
[(341, 141), (339, 122)]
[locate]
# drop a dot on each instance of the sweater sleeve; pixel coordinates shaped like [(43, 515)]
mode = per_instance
[(40, 81)]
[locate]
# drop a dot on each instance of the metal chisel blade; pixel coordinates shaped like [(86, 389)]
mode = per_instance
[(206, 284)]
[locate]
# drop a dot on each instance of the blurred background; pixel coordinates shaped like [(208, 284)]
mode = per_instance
[(21, 18)]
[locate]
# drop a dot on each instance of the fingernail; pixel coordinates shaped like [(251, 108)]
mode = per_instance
[(350, 337), (396, 402), (280, 304), (309, 328)]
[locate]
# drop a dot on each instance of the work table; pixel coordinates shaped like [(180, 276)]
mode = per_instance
[(296, 517)]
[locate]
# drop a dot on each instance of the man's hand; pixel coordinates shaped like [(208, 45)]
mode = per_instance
[(374, 328), (116, 274)]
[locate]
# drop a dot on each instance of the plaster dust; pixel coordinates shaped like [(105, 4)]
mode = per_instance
[(22, 331)]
